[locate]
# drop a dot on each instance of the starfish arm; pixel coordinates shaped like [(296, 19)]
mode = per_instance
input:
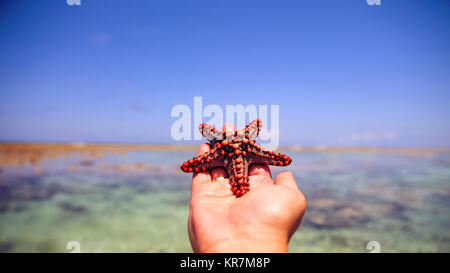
[(239, 180), (271, 158), (257, 159), (253, 128), (209, 132), (278, 159), (198, 163)]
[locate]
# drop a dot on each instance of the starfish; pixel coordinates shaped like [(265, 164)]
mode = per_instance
[(234, 150)]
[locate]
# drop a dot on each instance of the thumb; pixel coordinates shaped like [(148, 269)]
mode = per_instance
[(285, 179)]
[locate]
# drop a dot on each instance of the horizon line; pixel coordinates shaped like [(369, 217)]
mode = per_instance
[(158, 146)]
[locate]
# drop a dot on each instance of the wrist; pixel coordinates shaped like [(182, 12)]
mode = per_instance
[(255, 242)]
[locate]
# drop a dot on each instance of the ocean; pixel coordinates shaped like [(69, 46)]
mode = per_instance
[(138, 201)]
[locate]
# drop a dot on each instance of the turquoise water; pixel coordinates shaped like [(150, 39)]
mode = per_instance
[(111, 204)]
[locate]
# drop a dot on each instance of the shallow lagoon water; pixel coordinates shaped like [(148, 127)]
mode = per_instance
[(138, 202)]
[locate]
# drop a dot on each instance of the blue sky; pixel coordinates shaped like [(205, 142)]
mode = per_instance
[(343, 72)]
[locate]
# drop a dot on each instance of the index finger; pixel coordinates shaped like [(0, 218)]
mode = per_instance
[(260, 169), (201, 177)]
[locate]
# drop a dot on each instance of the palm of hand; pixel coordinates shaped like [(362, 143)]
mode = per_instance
[(272, 210)]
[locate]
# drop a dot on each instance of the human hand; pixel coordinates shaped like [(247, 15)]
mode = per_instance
[(263, 220)]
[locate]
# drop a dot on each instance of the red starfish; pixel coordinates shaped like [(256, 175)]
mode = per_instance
[(235, 151)]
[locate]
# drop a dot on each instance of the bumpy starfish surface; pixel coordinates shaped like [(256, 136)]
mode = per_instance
[(235, 151)]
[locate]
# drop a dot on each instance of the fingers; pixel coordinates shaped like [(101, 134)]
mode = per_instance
[(260, 169), (229, 129), (203, 149), (218, 172), (201, 177)]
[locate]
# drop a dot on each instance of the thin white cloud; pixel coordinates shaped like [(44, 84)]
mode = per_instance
[(374, 136)]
